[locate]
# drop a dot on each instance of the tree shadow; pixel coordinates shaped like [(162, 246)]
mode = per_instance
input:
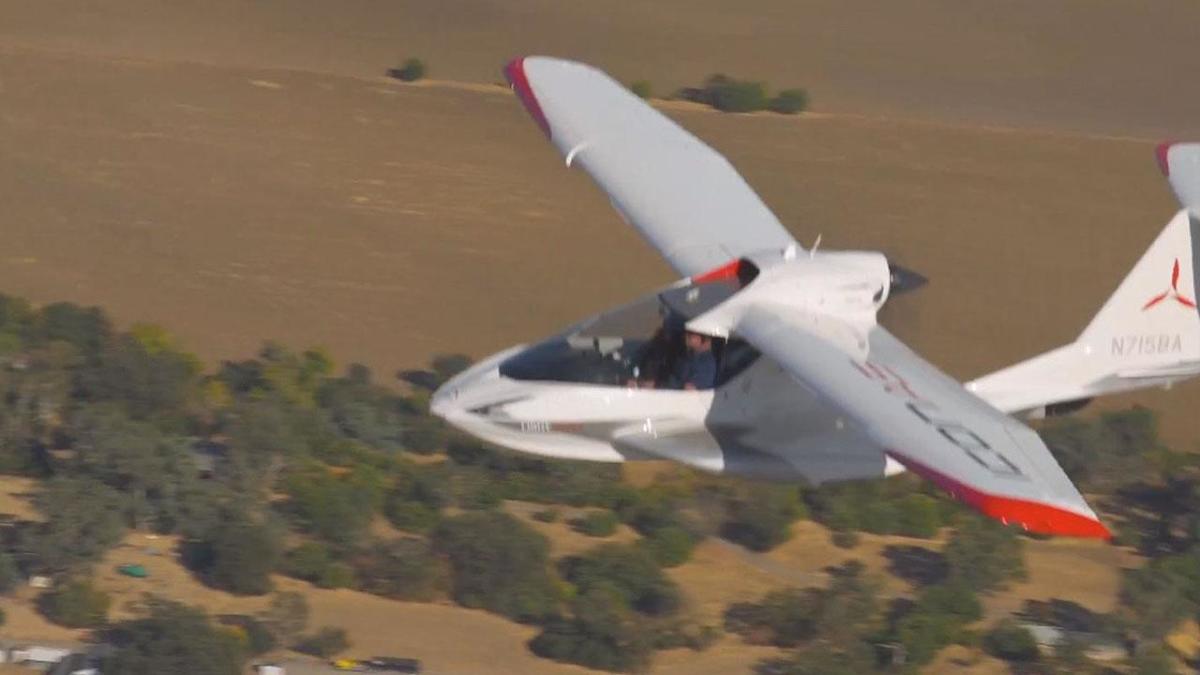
[(916, 565)]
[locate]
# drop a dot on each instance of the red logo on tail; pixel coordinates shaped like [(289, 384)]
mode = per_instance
[(1172, 293)]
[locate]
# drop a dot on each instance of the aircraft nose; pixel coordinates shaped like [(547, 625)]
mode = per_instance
[(445, 400)]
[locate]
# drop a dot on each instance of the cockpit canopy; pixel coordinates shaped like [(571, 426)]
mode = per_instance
[(639, 343)]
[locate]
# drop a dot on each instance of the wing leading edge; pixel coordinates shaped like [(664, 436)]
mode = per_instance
[(683, 196), (929, 423)]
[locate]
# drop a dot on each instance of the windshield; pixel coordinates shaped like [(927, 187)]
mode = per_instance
[(640, 344)]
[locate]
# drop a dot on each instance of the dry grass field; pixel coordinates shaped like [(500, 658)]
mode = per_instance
[(240, 171)]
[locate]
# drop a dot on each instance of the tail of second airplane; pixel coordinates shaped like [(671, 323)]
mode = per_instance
[(1146, 335)]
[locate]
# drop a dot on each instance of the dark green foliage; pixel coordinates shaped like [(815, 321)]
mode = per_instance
[(892, 506), (550, 515), (411, 70), (937, 618), (325, 643), (173, 638), (309, 561), (1118, 449), (238, 557), (335, 507), (82, 521), (603, 633), (149, 385), (841, 615), (984, 555), (3, 616), (761, 517), (732, 95), (628, 571), (404, 569), (670, 546), (417, 497), (729, 95), (259, 639), (365, 412), (1153, 660), (917, 516), (87, 329), (286, 616), (789, 101), (1162, 593), (75, 604), (498, 564), (1011, 642), (822, 659), (596, 524), (641, 89), (10, 576)]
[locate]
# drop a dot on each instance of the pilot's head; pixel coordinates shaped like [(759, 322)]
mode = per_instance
[(697, 342)]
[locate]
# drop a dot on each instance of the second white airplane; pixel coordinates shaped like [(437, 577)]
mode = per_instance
[(767, 360)]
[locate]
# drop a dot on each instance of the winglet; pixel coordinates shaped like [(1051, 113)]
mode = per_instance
[(1180, 163), (514, 72)]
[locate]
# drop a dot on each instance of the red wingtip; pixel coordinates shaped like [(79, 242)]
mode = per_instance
[(1033, 516), (514, 72), (1160, 153)]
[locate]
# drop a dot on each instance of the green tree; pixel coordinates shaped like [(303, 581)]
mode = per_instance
[(404, 569), (761, 518), (670, 546), (326, 642), (411, 70), (286, 616), (76, 604), (596, 524), (603, 632), (628, 570), (1011, 642), (172, 638), (983, 554), (239, 557), (82, 520), (498, 563), (10, 576), (789, 101)]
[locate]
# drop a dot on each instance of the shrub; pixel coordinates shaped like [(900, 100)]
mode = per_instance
[(404, 569), (628, 571), (550, 515), (789, 101), (286, 616), (240, 558), (641, 89), (983, 554), (324, 643), (308, 561), (337, 575), (917, 516), (761, 518), (1010, 642), (739, 96), (10, 576), (670, 546), (411, 70), (76, 604), (172, 638), (259, 639), (498, 563), (596, 524)]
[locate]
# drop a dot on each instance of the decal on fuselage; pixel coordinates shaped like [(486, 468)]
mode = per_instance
[(928, 412), (1147, 345)]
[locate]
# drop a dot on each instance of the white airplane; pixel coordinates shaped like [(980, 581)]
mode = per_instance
[(807, 386)]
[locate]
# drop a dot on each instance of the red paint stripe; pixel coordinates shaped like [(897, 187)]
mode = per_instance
[(514, 72), (1033, 516), (1161, 153), (726, 272)]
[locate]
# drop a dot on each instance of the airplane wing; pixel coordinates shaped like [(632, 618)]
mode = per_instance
[(684, 197), (928, 422)]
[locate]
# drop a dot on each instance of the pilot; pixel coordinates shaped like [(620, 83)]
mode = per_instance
[(698, 370)]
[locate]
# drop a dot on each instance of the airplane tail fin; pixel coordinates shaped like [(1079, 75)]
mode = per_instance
[(1147, 334), (1153, 320)]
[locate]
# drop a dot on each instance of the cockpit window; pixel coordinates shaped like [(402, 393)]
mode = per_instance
[(640, 344)]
